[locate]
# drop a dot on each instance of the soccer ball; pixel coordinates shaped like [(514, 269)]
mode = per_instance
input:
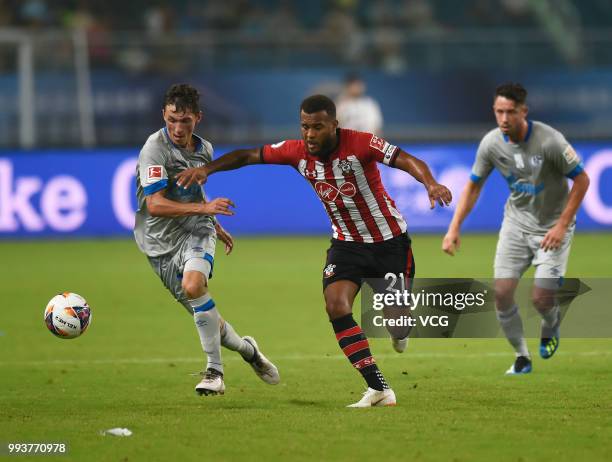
[(67, 315)]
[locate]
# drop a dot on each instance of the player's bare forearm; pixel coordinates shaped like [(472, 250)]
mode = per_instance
[(233, 160), (576, 195), (420, 171), (160, 206), (468, 199), (230, 161), (553, 239), (415, 167)]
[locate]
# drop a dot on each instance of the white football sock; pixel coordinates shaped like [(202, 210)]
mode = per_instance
[(206, 319), (512, 325), (232, 341)]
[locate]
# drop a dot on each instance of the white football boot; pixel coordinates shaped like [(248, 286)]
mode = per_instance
[(373, 398), (211, 384), (262, 366), (399, 344)]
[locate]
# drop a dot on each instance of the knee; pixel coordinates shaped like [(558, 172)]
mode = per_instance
[(542, 302), (504, 299), (336, 308), (193, 288)]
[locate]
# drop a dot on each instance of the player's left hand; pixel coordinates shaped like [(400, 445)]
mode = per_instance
[(553, 238), (226, 238), (440, 194)]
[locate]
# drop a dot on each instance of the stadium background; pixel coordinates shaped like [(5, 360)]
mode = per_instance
[(80, 88)]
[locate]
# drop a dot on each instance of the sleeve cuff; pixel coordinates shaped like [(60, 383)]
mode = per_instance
[(475, 178), (153, 188), (394, 157), (578, 169)]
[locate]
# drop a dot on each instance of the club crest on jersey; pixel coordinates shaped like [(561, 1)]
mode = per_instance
[(346, 167), (329, 193), (329, 271), (536, 160)]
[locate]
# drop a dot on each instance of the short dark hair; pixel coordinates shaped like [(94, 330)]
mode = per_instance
[(511, 90), (316, 103), (184, 97)]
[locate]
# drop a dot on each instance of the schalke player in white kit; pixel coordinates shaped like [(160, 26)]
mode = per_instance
[(176, 229), (539, 216)]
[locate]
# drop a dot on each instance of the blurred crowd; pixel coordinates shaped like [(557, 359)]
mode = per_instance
[(366, 32), (266, 16)]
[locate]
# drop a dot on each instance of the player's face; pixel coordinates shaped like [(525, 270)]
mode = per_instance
[(180, 125), (318, 132), (356, 89), (511, 117)]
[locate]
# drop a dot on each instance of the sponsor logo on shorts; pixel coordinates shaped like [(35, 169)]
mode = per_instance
[(329, 193), (329, 271)]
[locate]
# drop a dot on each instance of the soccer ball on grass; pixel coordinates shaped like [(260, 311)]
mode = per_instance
[(67, 315)]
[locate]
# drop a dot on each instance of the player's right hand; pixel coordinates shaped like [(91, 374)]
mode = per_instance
[(219, 206), (190, 176), (451, 243)]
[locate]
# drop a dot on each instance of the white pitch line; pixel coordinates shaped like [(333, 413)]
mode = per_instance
[(297, 357)]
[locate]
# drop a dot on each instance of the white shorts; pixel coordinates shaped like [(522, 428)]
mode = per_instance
[(517, 250), (195, 254)]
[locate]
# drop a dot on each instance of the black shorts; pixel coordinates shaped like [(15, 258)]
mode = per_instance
[(354, 261)]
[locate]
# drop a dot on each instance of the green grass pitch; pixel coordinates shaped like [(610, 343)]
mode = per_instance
[(132, 368)]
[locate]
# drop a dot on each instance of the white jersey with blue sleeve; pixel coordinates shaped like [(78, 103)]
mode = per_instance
[(536, 171), (158, 164)]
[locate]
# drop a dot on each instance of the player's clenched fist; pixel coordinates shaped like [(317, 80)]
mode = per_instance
[(219, 206), (192, 175), (451, 243)]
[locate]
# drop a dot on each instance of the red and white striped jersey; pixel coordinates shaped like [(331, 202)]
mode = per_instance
[(348, 184)]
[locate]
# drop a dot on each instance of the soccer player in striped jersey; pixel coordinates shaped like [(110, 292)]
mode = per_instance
[(369, 233), (539, 217)]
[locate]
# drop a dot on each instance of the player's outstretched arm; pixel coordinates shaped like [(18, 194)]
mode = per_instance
[(420, 171), (469, 196), (160, 206), (554, 237), (230, 161)]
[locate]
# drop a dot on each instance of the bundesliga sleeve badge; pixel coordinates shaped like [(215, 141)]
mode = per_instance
[(155, 173)]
